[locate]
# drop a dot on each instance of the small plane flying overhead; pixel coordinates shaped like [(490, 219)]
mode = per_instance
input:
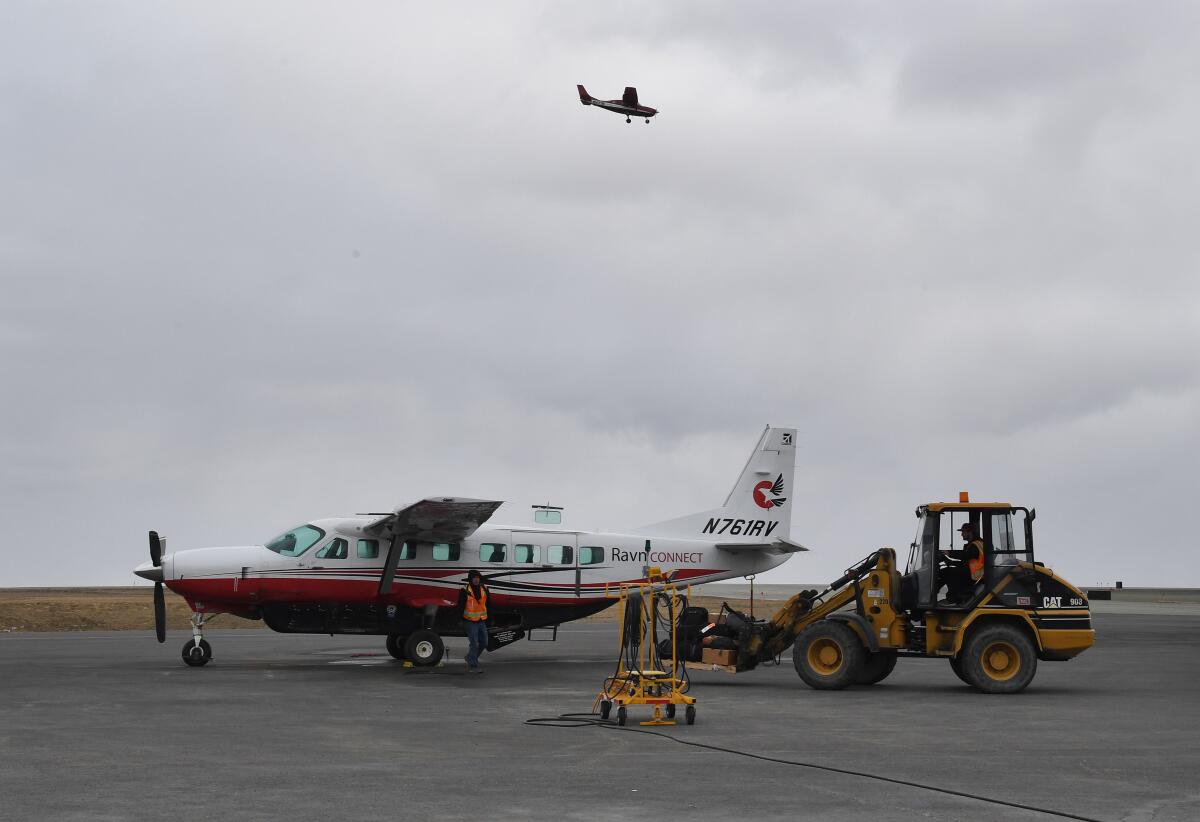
[(399, 574), (627, 105)]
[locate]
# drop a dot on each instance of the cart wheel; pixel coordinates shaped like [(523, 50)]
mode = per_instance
[(690, 714), (605, 709), (670, 712), (621, 715)]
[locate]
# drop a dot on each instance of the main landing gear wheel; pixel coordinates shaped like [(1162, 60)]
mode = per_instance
[(622, 714), (395, 645), (876, 667), (689, 715), (424, 648), (828, 655), (196, 655), (999, 659), (605, 709), (628, 120)]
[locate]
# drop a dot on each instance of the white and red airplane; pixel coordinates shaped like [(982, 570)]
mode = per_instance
[(399, 574), (627, 105)]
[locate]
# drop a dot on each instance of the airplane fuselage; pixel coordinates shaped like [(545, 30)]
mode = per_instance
[(620, 108), (536, 576)]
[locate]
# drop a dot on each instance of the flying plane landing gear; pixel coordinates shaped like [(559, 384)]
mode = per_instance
[(647, 121), (628, 120), (196, 651)]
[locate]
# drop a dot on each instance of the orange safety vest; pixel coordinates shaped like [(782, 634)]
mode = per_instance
[(476, 610), (975, 563)]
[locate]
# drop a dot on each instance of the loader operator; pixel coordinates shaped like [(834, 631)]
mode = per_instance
[(475, 597), (964, 568)]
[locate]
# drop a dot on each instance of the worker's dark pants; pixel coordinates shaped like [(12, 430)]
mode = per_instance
[(959, 584), (477, 637)]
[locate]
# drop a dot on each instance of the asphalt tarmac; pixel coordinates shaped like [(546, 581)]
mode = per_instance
[(113, 726)]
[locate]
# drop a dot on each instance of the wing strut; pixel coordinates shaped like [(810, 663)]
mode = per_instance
[(389, 566)]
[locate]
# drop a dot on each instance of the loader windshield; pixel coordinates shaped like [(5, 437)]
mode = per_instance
[(919, 574)]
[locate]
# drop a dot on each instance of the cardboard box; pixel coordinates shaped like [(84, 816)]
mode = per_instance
[(713, 656)]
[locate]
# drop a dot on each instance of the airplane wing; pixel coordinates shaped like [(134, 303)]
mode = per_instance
[(437, 519), (630, 96), (779, 546)]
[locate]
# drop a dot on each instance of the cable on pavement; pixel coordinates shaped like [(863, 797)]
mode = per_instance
[(586, 720)]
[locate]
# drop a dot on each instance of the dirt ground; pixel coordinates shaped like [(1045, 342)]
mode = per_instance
[(94, 609), (130, 609)]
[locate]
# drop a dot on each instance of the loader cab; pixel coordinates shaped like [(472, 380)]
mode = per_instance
[(1007, 534)]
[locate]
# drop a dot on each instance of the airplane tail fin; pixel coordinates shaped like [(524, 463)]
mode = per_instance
[(760, 504), (584, 97)]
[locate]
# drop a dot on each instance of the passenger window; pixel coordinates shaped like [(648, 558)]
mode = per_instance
[(368, 549), (338, 549), (547, 517), (591, 554), (559, 554), (492, 551), (525, 554), (408, 551), (446, 551)]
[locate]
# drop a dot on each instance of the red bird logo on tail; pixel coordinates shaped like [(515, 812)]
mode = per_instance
[(775, 488)]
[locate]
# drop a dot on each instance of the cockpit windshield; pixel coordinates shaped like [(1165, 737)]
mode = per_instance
[(295, 542)]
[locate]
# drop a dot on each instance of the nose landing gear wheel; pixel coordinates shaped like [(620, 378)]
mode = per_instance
[(196, 655), (425, 648)]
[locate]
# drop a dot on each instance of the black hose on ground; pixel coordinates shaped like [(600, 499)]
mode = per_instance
[(590, 720)]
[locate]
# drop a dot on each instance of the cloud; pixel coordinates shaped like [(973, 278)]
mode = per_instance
[(263, 266)]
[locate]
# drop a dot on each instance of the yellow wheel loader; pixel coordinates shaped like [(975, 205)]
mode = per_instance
[(994, 631)]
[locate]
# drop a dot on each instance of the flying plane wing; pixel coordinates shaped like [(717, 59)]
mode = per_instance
[(779, 546), (630, 96), (437, 519)]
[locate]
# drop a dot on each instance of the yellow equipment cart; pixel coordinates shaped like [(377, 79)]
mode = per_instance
[(646, 674)]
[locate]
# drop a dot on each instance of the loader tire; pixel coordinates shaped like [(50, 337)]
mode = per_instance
[(828, 656), (876, 667), (999, 659), (956, 666)]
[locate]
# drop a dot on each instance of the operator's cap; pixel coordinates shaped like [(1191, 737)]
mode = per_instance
[(966, 525), (474, 572)]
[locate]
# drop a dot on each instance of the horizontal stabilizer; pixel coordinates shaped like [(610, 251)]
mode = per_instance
[(779, 546), (436, 519)]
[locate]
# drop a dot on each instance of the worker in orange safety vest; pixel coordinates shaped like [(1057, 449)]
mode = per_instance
[(965, 567), (475, 614)]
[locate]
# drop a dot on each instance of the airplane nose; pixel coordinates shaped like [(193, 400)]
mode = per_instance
[(148, 570)]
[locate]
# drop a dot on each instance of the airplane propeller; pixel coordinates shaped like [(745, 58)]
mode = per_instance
[(160, 601)]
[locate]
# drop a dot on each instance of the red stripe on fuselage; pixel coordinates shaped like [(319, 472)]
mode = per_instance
[(220, 592)]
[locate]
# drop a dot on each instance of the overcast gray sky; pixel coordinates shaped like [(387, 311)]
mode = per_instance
[(265, 262)]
